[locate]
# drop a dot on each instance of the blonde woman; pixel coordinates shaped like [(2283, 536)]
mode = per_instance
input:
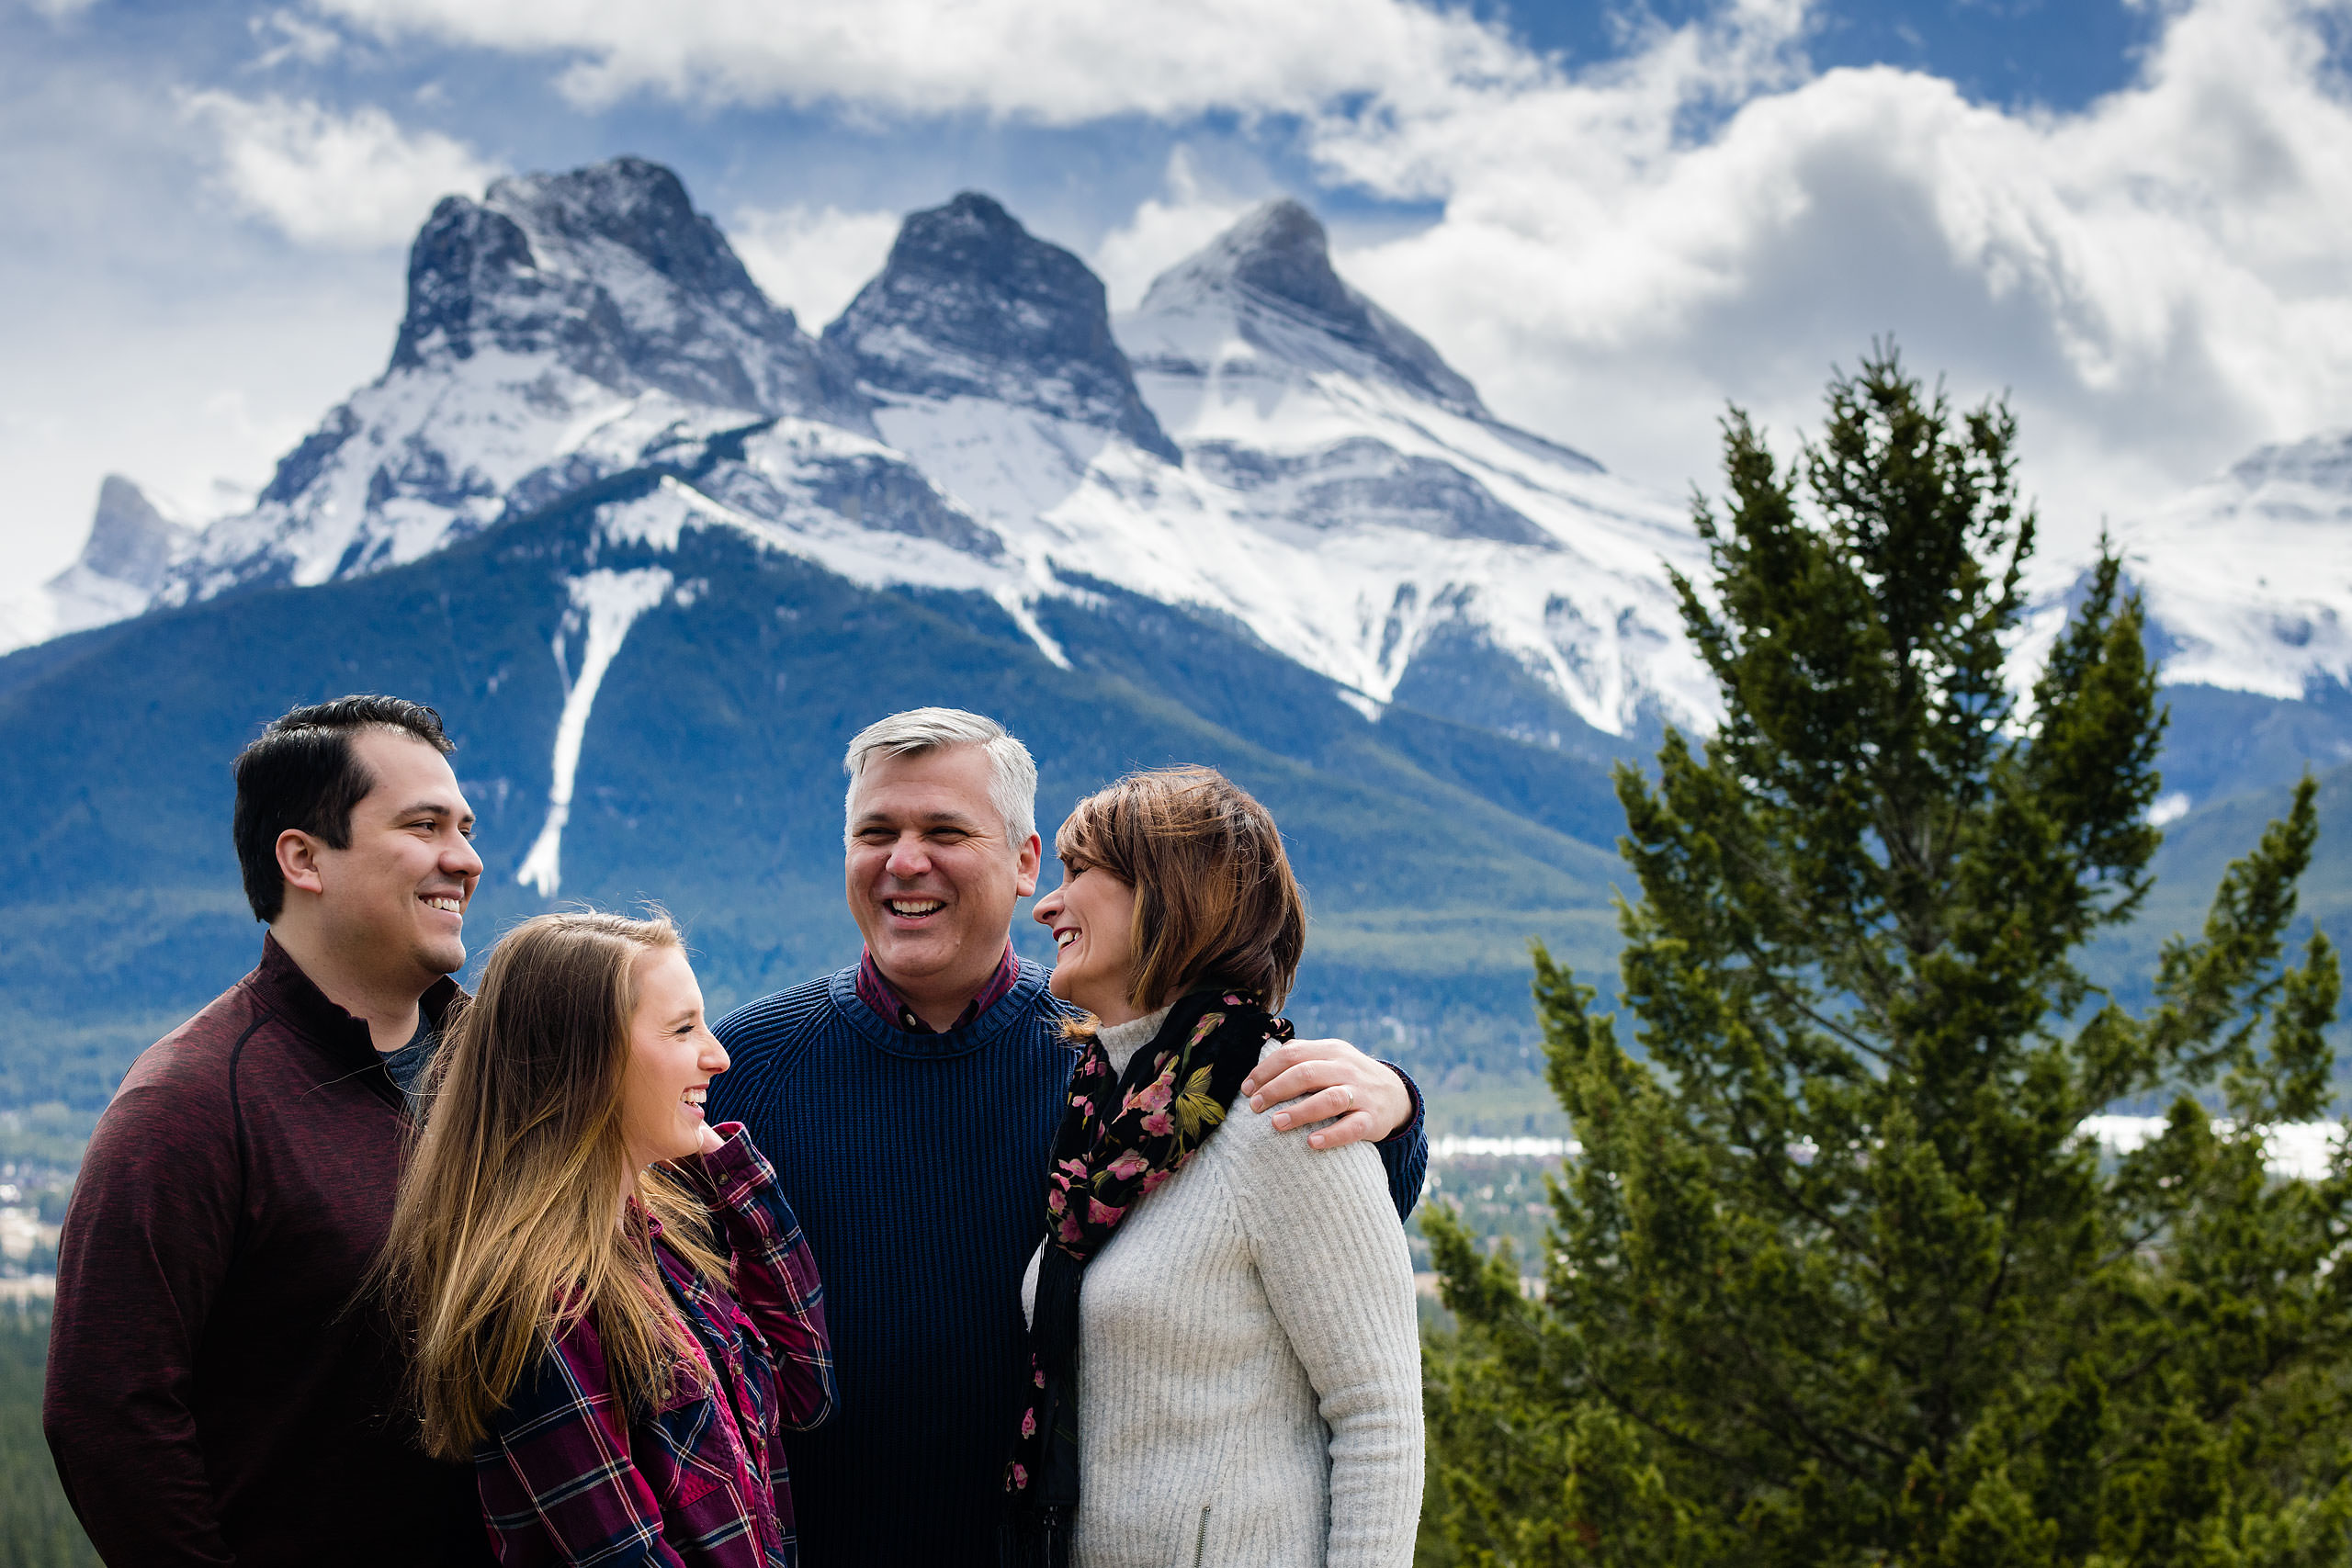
[(614, 1312), (1225, 1360)]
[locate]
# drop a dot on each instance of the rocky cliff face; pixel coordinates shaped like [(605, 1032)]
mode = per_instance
[(557, 332), (128, 555), (1263, 297), (130, 541), (972, 305), (610, 272)]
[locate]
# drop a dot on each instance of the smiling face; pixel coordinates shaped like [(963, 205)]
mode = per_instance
[(1093, 917), (672, 1056), (932, 874), (393, 903)]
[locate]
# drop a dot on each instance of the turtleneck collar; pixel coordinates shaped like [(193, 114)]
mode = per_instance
[(1121, 1040)]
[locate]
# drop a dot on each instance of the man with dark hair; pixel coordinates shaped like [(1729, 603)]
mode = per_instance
[(217, 1391)]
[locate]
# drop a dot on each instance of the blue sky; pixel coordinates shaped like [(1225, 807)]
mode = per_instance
[(2057, 53), (2133, 216)]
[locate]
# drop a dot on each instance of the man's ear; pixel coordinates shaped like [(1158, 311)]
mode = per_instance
[(298, 861), (1032, 855)]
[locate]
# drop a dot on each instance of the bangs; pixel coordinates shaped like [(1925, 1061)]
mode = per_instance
[(1216, 901), (1091, 836)]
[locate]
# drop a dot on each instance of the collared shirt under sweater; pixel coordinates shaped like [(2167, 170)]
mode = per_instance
[(916, 1163)]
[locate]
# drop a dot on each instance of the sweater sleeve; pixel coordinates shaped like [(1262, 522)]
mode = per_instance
[(1405, 1153), (1337, 1274), (147, 1242)]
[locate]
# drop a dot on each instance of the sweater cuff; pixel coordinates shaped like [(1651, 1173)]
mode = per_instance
[(1411, 1123)]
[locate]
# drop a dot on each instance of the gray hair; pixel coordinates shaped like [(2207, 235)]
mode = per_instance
[(1012, 772)]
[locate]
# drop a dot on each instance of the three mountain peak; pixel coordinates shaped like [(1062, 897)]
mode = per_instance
[(1258, 442), (613, 267)]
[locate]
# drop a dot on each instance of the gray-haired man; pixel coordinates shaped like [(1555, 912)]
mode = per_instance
[(909, 1102)]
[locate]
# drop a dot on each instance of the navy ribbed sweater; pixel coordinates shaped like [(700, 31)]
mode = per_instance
[(916, 1163)]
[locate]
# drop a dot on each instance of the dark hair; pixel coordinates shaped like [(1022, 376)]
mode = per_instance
[(302, 774), (1216, 902)]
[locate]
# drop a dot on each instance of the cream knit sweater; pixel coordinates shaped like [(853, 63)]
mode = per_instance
[(1249, 1369)]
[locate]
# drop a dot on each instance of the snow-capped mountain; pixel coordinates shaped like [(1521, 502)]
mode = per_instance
[(556, 331), (1325, 424), (672, 550), (126, 559), (1292, 457), (1258, 442), (971, 306), (2248, 576), (1342, 493), (1262, 299)]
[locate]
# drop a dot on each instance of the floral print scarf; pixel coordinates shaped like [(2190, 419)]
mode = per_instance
[(1123, 1138)]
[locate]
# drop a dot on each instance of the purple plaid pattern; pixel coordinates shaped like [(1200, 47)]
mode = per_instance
[(570, 1477), (878, 994)]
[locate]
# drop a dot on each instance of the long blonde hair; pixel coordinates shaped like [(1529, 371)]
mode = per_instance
[(504, 1235)]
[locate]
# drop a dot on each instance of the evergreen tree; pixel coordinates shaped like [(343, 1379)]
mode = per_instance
[(37, 1527), (1835, 1278)]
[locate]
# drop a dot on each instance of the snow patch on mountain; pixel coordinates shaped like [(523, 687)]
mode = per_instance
[(776, 496), (1328, 425), (605, 605), (425, 456), (2248, 577)]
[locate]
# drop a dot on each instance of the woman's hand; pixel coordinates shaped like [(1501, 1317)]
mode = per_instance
[(711, 1141)]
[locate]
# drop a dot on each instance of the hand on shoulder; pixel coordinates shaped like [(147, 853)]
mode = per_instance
[(1329, 1079)]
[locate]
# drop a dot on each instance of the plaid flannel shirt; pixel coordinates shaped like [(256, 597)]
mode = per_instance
[(569, 1476)]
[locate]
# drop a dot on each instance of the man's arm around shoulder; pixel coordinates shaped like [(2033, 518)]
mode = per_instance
[(1370, 1099), (147, 1242)]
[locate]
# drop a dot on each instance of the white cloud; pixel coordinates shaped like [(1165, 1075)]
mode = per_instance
[(1054, 62), (58, 10), (2158, 279), (1163, 231), (813, 259), (285, 35), (356, 181)]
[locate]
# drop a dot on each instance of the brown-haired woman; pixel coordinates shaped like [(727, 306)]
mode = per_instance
[(616, 1367), (1238, 1380)]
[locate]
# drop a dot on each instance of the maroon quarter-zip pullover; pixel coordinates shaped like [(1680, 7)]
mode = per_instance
[(215, 1393)]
